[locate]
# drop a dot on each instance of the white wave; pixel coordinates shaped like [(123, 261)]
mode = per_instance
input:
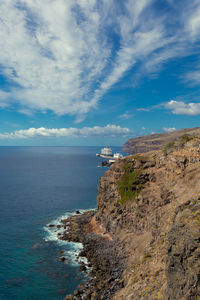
[(52, 232), (71, 249)]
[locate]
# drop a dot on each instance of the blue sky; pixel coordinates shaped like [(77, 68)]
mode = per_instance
[(95, 72)]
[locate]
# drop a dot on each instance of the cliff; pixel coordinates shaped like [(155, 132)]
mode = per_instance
[(150, 203), (156, 141)]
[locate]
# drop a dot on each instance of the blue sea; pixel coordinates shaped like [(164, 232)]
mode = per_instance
[(38, 187)]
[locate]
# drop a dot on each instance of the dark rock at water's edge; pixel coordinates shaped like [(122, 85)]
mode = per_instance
[(61, 258), (102, 254), (105, 163)]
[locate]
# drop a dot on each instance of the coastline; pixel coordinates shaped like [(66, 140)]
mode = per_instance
[(100, 257)]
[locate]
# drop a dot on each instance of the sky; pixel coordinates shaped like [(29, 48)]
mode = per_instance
[(97, 72)]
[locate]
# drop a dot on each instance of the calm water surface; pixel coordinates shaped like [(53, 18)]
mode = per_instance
[(38, 185)]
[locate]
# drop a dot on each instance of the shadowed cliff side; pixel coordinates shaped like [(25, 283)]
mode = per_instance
[(151, 203), (156, 141)]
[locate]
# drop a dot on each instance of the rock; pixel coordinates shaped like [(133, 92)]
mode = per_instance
[(82, 253), (81, 287), (82, 268), (59, 226), (183, 263), (61, 258), (69, 297), (77, 212), (76, 292), (51, 225), (64, 221), (94, 296)]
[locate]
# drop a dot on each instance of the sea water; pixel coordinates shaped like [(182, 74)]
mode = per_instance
[(40, 186)]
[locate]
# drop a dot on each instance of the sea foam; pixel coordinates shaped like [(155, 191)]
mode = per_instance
[(70, 250)]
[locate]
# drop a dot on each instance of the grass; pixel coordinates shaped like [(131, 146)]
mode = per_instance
[(146, 257), (179, 143), (160, 294), (168, 146), (186, 138), (128, 185)]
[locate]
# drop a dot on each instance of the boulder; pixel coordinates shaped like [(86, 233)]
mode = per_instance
[(61, 258)]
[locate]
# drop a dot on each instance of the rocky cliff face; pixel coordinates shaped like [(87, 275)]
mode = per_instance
[(151, 203)]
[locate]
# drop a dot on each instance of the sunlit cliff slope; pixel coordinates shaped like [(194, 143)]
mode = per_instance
[(151, 203)]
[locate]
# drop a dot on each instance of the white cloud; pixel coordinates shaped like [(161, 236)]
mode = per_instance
[(193, 77), (62, 55), (109, 130), (143, 109), (166, 129), (182, 108), (192, 23), (52, 57), (125, 116)]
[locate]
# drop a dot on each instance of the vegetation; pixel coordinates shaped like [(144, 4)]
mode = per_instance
[(186, 138), (179, 143), (160, 294), (128, 185), (146, 257), (168, 146)]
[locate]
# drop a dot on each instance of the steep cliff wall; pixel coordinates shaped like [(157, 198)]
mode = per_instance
[(151, 203)]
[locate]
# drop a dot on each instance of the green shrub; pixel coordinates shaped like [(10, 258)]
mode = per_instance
[(146, 257), (128, 186), (168, 146), (186, 138)]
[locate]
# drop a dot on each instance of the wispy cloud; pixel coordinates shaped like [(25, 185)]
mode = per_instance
[(64, 56), (147, 109), (182, 108), (168, 129), (125, 116), (193, 77), (42, 132)]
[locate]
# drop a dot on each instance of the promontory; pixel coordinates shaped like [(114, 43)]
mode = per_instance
[(143, 240)]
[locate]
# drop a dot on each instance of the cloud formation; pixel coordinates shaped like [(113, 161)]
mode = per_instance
[(125, 116), (64, 56), (42, 132), (182, 108), (166, 129)]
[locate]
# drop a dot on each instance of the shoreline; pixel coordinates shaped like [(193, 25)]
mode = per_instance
[(104, 265)]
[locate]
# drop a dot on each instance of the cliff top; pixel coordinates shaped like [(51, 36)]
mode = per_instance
[(156, 141)]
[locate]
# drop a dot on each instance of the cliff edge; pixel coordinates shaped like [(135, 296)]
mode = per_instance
[(156, 141), (151, 203)]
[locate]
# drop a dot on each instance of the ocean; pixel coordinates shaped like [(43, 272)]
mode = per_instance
[(38, 187)]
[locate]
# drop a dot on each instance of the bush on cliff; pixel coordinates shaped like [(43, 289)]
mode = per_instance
[(168, 147), (129, 186)]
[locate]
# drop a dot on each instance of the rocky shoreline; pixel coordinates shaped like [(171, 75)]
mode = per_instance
[(105, 265), (143, 241)]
